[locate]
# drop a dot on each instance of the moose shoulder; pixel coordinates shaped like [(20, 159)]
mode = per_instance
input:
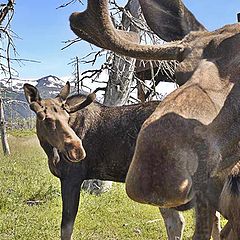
[(177, 163)]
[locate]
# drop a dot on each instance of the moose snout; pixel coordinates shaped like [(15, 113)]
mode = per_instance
[(75, 151)]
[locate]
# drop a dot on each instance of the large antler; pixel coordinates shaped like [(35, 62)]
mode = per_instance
[(170, 20), (95, 26)]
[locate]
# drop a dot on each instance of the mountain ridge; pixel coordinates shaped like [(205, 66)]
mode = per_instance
[(15, 104)]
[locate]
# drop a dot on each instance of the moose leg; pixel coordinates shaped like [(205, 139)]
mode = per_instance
[(226, 231), (174, 223), (204, 218), (70, 198), (216, 227)]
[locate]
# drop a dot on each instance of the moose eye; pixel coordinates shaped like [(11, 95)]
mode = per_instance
[(65, 107), (48, 120)]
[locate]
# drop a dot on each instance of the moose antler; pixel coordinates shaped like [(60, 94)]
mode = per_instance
[(170, 20), (95, 26)]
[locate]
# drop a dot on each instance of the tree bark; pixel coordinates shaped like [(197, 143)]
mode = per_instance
[(5, 9), (118, 89), (120, 81), (121, 74), (5, 145)]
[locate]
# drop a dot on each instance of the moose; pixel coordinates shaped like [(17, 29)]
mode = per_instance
[(84, 139), (111, 164), (179, 156)]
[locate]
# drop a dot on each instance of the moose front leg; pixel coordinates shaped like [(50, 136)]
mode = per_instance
[(205, 215), (70, 199), (174, 223)]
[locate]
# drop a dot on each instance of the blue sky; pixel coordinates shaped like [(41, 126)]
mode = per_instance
[(43, 28)]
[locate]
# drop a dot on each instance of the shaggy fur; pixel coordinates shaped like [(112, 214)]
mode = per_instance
[(229, 205)]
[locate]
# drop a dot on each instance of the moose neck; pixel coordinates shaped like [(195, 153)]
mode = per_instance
[(109, 135), (97, 116), (225, 130)]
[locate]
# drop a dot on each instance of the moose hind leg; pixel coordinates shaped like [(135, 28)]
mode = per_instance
[(216, 227), (226, 231), (204, 218), (174, 223), (70, 200)]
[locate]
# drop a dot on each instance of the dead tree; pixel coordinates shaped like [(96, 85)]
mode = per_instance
[(121, 73), (119, 83), (6, 14), (5, 145)]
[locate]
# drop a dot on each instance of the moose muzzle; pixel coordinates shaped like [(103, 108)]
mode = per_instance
[(74, 151)]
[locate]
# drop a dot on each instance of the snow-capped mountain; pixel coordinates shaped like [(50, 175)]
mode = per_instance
[(14, 99), (15, 103), (48, 85)]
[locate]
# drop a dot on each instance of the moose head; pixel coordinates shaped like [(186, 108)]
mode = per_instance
[(53, 130)]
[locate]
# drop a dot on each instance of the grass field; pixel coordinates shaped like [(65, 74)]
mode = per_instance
[(30, 203)]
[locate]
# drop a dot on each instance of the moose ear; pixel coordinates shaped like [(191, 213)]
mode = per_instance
[(64, 92), (170, 20), (31, 93), (90, 98)]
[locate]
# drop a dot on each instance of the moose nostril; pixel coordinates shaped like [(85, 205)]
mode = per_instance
[(68, 145), (73, 145)]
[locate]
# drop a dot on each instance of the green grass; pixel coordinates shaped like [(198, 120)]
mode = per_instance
[(24, 177), (22, 133)]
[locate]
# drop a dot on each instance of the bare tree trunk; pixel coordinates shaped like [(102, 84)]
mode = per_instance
[(5, 146), (120, 81), (121, 74), (4, 11), (118, 89)]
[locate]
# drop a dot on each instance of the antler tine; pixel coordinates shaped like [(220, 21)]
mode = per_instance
[(95, 26)]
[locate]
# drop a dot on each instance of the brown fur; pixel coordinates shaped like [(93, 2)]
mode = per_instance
[(52, 128), (230, 203), (177, 156)]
